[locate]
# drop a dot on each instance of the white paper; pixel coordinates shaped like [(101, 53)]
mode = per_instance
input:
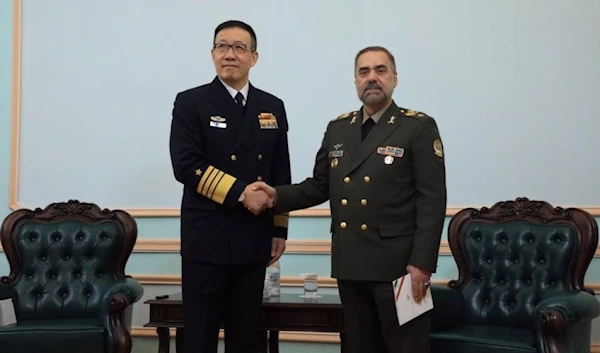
[(406, 307), (7, 312)]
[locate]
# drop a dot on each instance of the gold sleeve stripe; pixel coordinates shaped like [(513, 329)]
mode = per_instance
[(281, 220), (215, 184), (223, 187), (202, 185)]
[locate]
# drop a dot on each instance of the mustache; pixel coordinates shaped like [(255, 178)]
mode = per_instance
[(373, 85)]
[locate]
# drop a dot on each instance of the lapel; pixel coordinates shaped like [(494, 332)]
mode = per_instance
[(226, 105), (360, 151), (353, 133), (249, 123), (241, 127)]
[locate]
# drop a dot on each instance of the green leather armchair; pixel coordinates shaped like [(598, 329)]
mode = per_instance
[(520, 286), (67, 279)]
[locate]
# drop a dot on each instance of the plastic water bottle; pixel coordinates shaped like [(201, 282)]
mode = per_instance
[(274, 279)]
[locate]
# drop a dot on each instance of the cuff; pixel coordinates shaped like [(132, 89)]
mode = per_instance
[(219, 186), (281, 222)]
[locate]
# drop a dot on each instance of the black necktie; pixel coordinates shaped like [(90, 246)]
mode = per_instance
[(239, 99), (366, 127)]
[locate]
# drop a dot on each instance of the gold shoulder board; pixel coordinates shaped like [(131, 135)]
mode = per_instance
[(412, 113), (345, 115)]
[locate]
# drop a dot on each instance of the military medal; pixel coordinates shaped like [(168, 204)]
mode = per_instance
[(334, 163), (267, 121), (388, 160)]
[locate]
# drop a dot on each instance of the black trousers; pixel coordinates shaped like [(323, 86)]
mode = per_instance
[(212, 294), (371, 321)]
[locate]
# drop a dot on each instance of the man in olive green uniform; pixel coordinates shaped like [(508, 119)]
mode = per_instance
[(382, 169)]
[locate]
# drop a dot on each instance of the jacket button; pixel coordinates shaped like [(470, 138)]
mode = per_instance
[(259, 157), (346, 180), (363, 202), (367, 179), (233, 157), (343, 224), (344, 202), (259, 178), (363, 227)]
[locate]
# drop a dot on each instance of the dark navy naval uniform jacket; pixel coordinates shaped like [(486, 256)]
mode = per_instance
[(217, 149)]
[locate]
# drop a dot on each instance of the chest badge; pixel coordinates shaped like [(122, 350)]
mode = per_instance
[(218, 122), (267, 121), (390, 153)]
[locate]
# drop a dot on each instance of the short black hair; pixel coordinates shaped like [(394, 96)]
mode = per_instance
[(376, 48), (238, 24)]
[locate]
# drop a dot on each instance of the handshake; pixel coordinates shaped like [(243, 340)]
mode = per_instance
[(259, 196)]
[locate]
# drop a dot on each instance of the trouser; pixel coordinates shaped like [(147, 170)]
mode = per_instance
[(212, 294), (371, 321)]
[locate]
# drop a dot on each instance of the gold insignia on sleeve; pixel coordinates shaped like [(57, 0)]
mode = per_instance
[(281, 220), (437, 148), (198, 172), (215, 184)]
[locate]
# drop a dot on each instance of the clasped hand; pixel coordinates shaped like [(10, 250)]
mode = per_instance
[(258, 197)]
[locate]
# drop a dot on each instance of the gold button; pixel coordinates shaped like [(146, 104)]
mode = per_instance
[(233, 157), (344, 202), (363, 227), (363, 202), (346, 180), (259, 157), (343, 224), (367, 179), (259, 178)]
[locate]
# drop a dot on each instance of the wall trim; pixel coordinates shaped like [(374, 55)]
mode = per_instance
[(15, 107), (286, 281), (287, 336), (307, 247), (165, 245), (13, 197), (314, 246)]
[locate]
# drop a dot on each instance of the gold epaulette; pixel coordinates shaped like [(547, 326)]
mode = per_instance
[(412, 113), (345, 115)]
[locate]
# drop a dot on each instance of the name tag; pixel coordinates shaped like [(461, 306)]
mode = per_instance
[(218, 124), (338, 153)]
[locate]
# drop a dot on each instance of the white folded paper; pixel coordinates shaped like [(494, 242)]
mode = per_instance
[(7, 312), (406, 307)]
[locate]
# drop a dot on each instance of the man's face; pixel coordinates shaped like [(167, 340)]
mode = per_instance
[(233, 63), (375, 78)]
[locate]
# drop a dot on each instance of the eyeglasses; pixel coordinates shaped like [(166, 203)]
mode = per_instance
[(237, 48)]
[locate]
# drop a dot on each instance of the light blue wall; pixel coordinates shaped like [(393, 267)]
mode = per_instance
[(168, 263)]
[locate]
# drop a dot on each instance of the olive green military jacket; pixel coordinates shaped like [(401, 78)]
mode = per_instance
[(387, 194)]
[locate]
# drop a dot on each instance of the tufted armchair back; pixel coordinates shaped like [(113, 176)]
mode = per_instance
[(515, 255), (65, 258)]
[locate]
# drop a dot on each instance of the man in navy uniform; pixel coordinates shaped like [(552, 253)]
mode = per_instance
[(382, 169), (225, 135)]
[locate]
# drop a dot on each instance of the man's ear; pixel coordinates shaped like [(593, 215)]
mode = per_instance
[(254, 58)]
